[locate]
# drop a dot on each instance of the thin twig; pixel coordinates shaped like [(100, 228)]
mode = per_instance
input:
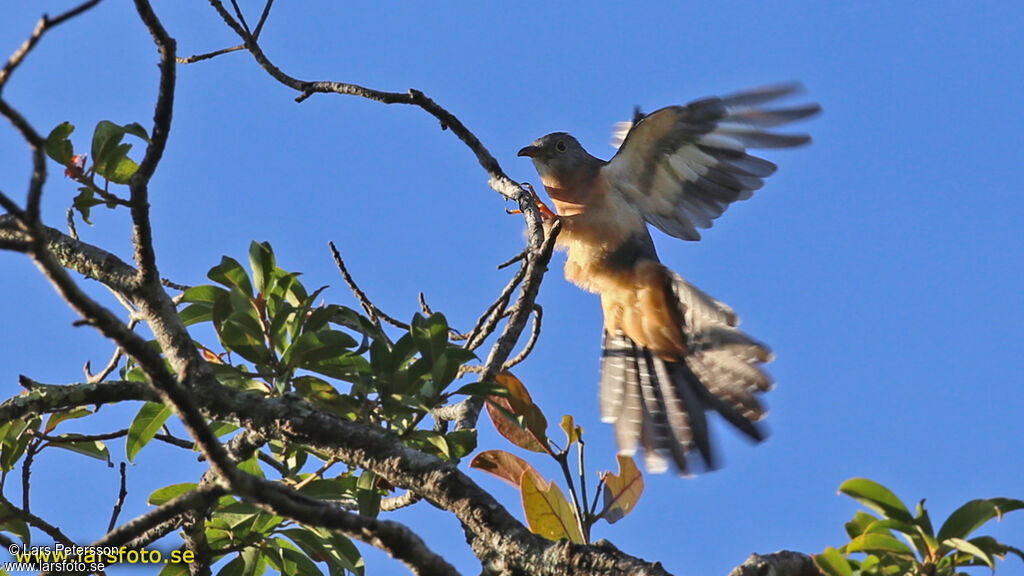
[(375, 314), (538, 312), (142, 233), (317, 474), (240, 16), (208, 55), (263, 20), (45, 23), (121, 495), (424, 307), (488, 321)]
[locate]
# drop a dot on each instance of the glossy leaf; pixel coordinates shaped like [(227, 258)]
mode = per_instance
[(461, 443), (105, 140), (15, 440), (91, 448), (832, 563), (879, 543), (64, 415), (971, 549), (623, 490), (857, 526), (972, 515), (548, 513), (58, 147), (503, 465), (482, 389), (876, 497), (231, 274), (164, 495), (367, 496), (147, 422), (572, 431), (516, 417), (262, 264)]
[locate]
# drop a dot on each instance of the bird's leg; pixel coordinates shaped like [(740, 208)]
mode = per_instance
[(545, 212)]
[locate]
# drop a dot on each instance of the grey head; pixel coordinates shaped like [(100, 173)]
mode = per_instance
[(561, 157)]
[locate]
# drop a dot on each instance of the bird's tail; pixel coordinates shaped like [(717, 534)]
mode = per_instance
[(661, 405)]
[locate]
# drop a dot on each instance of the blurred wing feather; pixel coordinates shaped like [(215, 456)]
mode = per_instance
[(682, 166)]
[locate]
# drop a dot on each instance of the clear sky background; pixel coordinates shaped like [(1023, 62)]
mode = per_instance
[(883, 264)]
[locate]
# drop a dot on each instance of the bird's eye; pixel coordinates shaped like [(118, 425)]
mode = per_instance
[(560, 146)]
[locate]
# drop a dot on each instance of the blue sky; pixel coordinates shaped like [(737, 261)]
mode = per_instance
[(883, 263)]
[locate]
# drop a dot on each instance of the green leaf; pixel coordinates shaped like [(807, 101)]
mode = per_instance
[(967, 518), (857, 526), (367, 496), (311, 348), (105, 140), (231, 274), (10, 522), (164, 495), (84, 203), (832, 563), (325, 396), (64, 415), (323, 546), (292, 560), (15, 440), (461, 443), (58, 146), (971, 549), (261, 261), (330, 488), (121, 169), (150, 418), (880, 543), (136, 129), (205, 294), (92, 448), (482, 389), (876, 497)]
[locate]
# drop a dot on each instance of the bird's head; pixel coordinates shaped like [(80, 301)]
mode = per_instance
[(564, 166), (558, 154)]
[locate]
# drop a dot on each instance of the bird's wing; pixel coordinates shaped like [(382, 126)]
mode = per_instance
[(682, 166)]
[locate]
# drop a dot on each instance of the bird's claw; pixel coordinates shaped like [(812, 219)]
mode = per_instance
[(545, 212)]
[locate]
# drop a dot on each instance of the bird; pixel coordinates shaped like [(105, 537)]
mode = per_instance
[(670, 352)]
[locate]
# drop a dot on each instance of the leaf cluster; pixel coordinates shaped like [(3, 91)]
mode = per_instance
[(918, 549)]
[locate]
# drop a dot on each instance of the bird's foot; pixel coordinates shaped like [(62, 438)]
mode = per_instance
[(545, 212)]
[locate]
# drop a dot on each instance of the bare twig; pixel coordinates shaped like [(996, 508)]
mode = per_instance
[(208, 55), (488, 321), (424, 307), (142, 232), (263, 19), (121, 495), (538, 312), (375, 314), (45, 23)]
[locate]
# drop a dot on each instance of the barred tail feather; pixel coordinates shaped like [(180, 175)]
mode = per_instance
[(661, 405)]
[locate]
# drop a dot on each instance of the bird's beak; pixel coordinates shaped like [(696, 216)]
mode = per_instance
[(531, 151)]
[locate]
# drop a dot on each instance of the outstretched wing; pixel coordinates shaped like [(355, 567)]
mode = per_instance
[(683, 165)]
